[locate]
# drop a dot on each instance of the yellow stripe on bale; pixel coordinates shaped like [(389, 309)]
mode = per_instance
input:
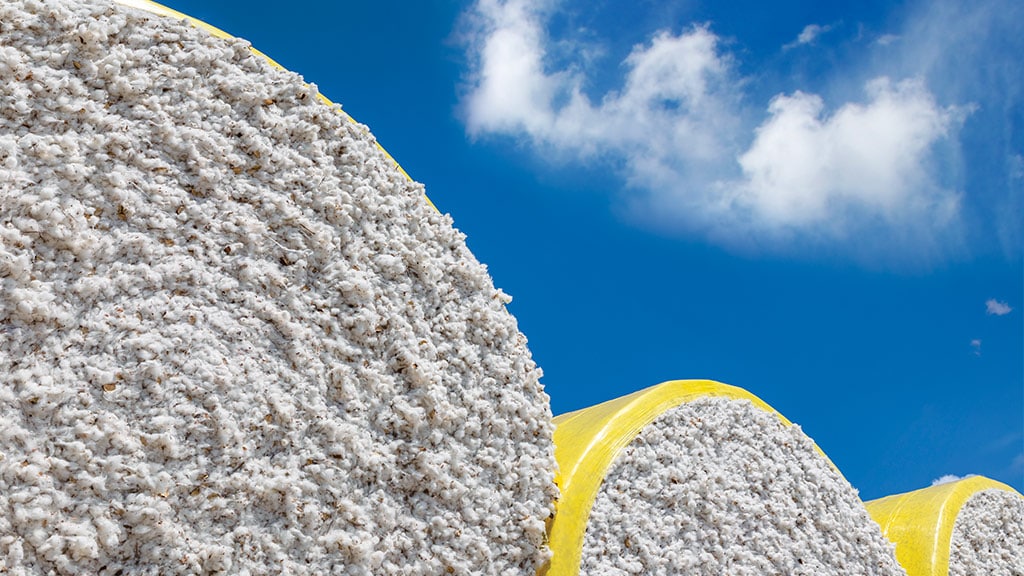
[(920, 523), (588, 441), (161, 10)]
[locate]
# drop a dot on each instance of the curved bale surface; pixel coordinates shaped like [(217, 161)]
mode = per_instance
[(974, 525), (234, 337), (696, 477)]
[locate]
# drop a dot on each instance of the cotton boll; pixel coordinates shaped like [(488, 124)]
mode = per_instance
[(215, 559)]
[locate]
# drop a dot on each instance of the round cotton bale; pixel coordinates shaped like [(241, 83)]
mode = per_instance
[(696, 477), (988, 536), (971, 526), (234, 337)]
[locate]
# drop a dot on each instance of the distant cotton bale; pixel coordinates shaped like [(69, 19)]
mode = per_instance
[(234, 337), (965, 527), (988, 536), (701, 478)]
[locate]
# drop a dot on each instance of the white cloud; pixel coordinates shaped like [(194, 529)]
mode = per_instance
[(969, 52), (946, 479), (693, 163), (997, 308), (808, 35), (810, 32), (673, 114), (511, 90), (806, 167), (887, 39), (1016, 167), (668, 86)]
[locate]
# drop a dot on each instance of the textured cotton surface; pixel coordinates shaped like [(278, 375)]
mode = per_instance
[(233, 337), (717, 486), (988, 536)]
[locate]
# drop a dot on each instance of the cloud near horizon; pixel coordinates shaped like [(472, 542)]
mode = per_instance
[(947, 478), (808, 35), (692, 165)]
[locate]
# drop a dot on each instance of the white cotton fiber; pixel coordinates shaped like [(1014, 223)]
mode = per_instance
[(988, 536), (717, 486), (234, 338)]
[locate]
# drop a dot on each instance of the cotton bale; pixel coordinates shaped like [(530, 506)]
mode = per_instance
[(234, 336), (974, 525), (697, 477)]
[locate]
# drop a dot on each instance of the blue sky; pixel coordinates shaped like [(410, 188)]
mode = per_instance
[(819, 202)]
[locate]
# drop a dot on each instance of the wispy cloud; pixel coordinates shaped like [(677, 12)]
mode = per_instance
[(967, 50), (808, 35), (887, 39), (861, 175), (976, 347), (996, 308)]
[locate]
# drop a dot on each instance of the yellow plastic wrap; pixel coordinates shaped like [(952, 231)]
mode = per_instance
[(920, 523), (587, 442), (161, 10)]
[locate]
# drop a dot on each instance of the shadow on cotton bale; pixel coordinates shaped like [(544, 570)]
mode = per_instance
[(234, 336), (968, 527), (697, 477)]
